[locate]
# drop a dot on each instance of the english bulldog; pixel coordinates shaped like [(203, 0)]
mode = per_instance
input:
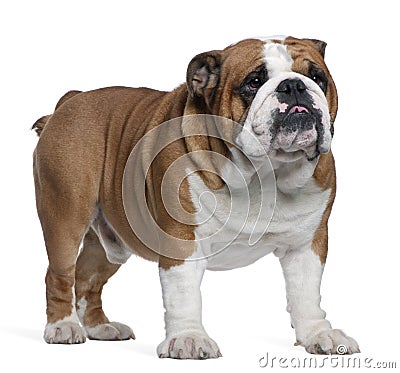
[(254, 123)]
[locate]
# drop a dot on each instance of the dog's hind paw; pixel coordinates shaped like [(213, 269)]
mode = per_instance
[(64, 332), (113, 331)]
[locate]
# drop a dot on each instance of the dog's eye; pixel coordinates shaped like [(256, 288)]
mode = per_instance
[(320, 81), (254, 84), (318, 76)]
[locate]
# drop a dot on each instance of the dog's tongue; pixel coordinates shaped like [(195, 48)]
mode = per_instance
[(298, 109)]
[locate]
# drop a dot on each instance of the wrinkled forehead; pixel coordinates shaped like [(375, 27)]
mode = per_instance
[(243, 57), (278, 53)]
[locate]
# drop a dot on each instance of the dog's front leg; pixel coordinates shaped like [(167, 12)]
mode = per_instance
[(303, 271), (185, 334)]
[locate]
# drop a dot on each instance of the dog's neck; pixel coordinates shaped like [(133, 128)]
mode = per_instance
[(290, 177)]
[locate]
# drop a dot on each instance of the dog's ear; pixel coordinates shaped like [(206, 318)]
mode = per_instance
[(199, 130), (319, 45), (203, 75)]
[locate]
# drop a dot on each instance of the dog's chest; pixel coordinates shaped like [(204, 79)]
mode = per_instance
[(234, 231)]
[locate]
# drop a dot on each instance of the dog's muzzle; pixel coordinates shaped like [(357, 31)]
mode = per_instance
[(289, 117)]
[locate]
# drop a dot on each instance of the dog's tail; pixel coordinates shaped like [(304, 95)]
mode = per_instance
[(39, 125)]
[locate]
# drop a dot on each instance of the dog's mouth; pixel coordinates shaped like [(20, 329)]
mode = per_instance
[(298, 118), (296, 133), (298, 110)]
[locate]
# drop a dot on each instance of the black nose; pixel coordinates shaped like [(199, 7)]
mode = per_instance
[(291, 86)]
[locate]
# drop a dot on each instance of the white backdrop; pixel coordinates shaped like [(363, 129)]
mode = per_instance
[(50, 47)]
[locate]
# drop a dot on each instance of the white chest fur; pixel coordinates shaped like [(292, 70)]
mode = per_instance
[(233, 232)]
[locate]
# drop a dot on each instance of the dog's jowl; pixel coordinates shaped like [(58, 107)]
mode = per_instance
[(251, 132)]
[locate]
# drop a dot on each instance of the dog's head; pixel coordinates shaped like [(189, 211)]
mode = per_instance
[(278, 89)]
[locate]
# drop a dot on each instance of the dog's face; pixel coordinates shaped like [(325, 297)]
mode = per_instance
[(279, 90)]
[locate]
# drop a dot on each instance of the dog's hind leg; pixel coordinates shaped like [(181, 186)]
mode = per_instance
[(93, 270), (66, 199), (63, 230)]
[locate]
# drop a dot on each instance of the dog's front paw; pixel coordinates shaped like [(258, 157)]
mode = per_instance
[(331, 341), (189, 346), (64, 332), (113, 331)]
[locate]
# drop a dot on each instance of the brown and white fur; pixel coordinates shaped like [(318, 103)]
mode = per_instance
[(79, 165)]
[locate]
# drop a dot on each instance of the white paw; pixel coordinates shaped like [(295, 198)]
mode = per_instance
[(66, 332), (332, 341), (189, 346), (113, 331)]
